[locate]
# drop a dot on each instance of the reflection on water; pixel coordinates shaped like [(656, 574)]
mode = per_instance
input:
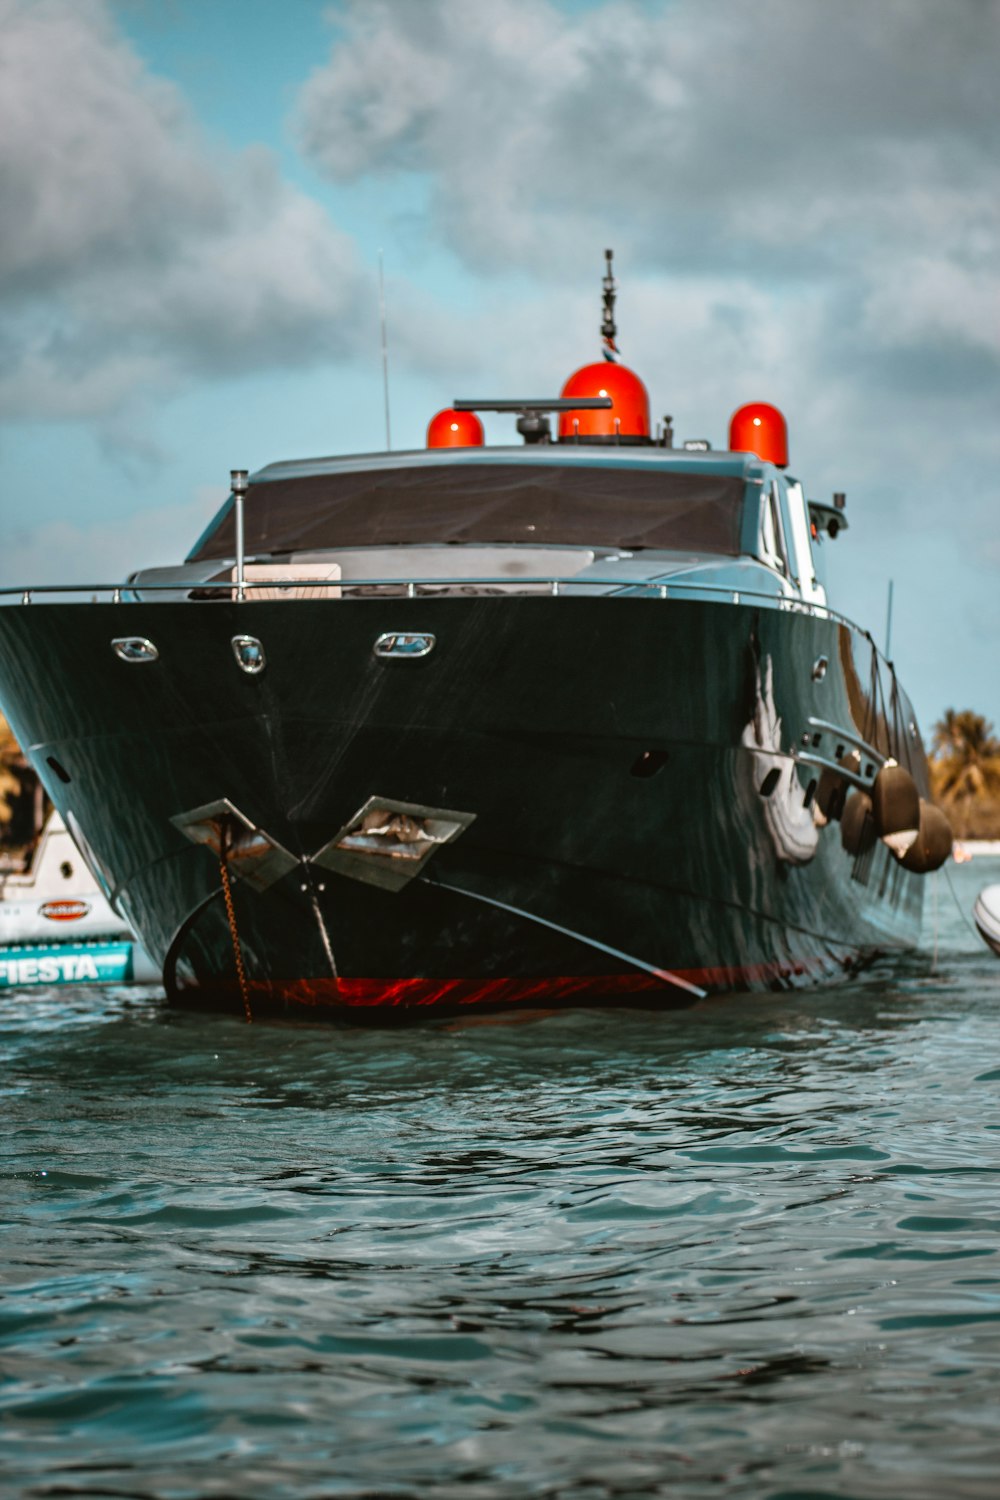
[(748, 1249)]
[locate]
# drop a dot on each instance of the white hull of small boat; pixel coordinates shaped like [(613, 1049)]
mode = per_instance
[(57, 927), (987, 916)]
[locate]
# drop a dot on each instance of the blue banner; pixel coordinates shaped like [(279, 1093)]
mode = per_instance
[(65, 963)]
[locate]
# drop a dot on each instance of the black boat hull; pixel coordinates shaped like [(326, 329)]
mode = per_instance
[(610, 754)]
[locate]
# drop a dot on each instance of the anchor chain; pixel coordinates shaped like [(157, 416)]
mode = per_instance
[(227, 895)]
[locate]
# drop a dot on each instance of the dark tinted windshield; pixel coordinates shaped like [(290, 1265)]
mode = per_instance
[(483, 502)]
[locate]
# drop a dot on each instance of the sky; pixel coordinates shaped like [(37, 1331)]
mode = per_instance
[(803, 198)]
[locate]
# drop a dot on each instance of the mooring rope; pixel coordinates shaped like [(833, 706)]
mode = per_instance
[(227, 895)]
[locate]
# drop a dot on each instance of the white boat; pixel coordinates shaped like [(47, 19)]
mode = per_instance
[(987, 916), (56, 925)]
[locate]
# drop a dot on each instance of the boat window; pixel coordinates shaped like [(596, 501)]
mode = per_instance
[(556, 504), (798, 515), (771, 546)]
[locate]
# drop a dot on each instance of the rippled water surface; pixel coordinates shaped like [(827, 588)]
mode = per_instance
[(749, 1249)]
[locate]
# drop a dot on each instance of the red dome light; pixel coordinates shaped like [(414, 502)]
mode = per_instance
[(759, 428), (627, 420), (455, 429)]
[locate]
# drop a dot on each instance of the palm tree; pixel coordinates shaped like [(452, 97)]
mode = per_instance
[(966, 760), (11, 760)]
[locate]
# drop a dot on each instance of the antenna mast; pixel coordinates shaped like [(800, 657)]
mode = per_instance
[(608, 328), (385, 350)]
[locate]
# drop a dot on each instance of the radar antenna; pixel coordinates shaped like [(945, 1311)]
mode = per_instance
[(609, 330)]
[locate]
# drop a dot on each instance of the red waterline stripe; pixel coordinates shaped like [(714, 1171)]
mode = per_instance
[(424, 993)]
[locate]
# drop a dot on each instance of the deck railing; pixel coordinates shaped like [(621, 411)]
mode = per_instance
[(412, 588)]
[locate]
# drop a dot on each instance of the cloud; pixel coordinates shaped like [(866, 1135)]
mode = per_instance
[(102, 551), (135, 253), (825, 144)]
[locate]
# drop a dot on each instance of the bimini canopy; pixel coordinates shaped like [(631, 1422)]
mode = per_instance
[(560, 505)]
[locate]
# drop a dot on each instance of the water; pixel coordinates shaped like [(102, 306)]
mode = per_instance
[(746, 1250)]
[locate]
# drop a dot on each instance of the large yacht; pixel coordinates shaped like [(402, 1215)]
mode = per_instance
[(474, 726)]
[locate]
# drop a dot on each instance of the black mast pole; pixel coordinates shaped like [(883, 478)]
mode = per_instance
[(609, 330)]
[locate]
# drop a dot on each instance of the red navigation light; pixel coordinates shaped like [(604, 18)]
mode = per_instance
[(759, 428), (455, 429), (626, 421)]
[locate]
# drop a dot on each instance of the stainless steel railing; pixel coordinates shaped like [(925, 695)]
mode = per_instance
[(124, 593)]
